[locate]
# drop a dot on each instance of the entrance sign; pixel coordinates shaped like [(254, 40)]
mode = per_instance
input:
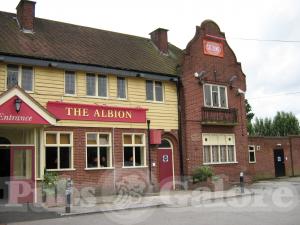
[(72, 111), (26, 115), (213, 48)]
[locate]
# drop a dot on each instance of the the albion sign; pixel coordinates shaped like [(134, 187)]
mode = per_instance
[(71, 111)]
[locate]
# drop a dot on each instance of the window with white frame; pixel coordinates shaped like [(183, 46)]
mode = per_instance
[(96, 85), (20, 75), (252, 156), (154, 91), (121, 88), (215, 96), (58, 150), (134, 150), (98, 150), (70, 83), (218, 148)]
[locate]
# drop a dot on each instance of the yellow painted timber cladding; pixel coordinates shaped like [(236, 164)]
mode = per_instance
[(49, 86)]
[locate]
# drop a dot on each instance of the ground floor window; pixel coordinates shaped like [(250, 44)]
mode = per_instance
[(218, 148), (58, 150), (98, 150), (252, 156), (134, 150)]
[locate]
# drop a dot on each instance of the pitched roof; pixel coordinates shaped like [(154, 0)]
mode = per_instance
[(71, 43)]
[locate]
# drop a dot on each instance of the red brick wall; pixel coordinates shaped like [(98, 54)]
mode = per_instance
[(192, 100), (26, 14), (264, 166), (104, 179)]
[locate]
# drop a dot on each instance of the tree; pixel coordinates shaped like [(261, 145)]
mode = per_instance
[(283, 124), (249, 115)]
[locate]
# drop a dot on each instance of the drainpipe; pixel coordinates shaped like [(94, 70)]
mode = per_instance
[(149, 153), (180, 130), (291, 153)]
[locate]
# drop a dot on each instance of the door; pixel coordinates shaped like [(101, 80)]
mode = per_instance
[(165, 165), (279, 162), (22, 182)]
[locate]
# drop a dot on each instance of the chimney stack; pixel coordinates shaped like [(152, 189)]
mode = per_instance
[(26, 14), (160, 38)]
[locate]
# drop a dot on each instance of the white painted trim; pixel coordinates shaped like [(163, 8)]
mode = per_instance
[(133, 146), (100, 168), (16, 92), (253, 150), (219, 96), (75, 84), (12, 145), (154, 93)]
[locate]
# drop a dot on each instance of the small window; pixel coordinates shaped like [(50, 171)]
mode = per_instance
[(98, 150), (121, 86), (134, 150), (154, 91), (252, 156), (90, 84), (165, 144), (215, 96), (70, 83), (58, 148), (102, 86), (20, 75)]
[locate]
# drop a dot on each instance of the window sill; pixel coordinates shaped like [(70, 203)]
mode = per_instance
[(60, 170), (215, 107), (220, 163), (122, 99), (100, 168), (252, 162), (156, 102), (97, 97), (70, 95), (134, 167)]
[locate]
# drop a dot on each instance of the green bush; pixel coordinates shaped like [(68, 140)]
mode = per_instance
[(202, 173)]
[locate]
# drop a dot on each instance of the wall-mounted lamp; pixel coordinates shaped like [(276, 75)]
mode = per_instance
[(139, 75), (240, 92), (231, 80), (200, 75), (18, 103)]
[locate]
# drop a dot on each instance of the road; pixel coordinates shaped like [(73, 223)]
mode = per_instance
[(275, 202)]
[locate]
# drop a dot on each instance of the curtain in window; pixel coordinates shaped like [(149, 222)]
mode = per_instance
[(215, 96), (207, 93), (158, 91), (149, 90), (102, 86), (70, 83), (223, 97), (90, 84), (12, 76), (121, 85)]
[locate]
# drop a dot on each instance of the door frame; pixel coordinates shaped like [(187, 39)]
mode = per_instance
[(18, 147), (275, 162), (173, 169)]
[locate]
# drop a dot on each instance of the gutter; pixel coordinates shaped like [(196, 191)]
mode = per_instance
[(291, 153), (86, 68)]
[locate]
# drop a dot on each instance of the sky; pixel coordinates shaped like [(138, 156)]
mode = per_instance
[(272, 68)]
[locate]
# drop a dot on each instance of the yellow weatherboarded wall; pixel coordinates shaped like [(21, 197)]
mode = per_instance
[(49, 86)]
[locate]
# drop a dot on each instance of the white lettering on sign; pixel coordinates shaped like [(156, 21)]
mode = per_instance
[(213, 48), (279, 159), (4, 117)]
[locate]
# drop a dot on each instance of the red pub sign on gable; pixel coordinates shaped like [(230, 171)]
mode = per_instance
[(213, 48), (103, 113)]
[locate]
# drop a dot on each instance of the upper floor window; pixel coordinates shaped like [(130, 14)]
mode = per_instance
[(20, 75), (154, 91), (96, 85), (70, 83), (215, 96), (121, 86)]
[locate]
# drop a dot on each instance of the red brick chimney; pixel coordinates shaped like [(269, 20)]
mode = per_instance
[(160, 38), (26, 14)]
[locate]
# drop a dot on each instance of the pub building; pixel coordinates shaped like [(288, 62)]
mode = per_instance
[(97, 106)]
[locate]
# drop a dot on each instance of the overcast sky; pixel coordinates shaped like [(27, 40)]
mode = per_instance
[(272, 68)]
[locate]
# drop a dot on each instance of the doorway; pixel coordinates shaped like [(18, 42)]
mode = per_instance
[(166, 166), (279, 162), (4, 169)]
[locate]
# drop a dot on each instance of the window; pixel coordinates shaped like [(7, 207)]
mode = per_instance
[(121, 86), (218, 148), (58, 148), (252, 156), (20, 75), (134, 150), (98, 150), (154, 91), (215, 96), (70, 83), (96, 85)]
